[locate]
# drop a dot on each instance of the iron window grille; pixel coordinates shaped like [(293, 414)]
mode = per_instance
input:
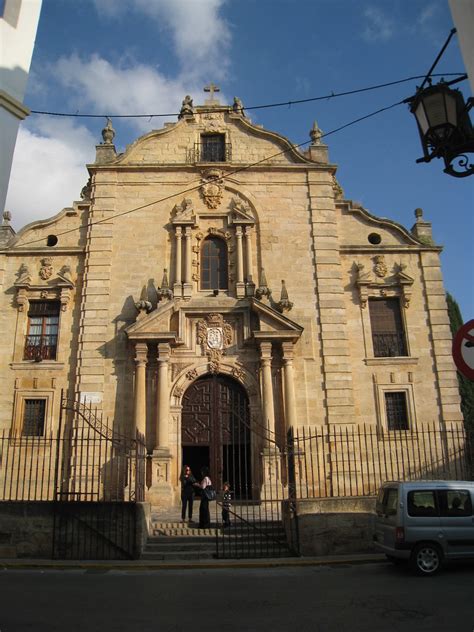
[(212, 148), (388, 336), (34, 417), (397, 411), (42, 337), (214, 264)]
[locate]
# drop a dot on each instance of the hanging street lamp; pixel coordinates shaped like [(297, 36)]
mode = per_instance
[(445, 128)]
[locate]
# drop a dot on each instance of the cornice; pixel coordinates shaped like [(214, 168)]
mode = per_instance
[(394, 248), (12, 105), (51, 251)]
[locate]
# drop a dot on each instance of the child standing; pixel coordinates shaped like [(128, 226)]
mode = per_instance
[(226, 498)]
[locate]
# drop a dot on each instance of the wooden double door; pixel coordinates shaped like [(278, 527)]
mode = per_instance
[(215, 432)]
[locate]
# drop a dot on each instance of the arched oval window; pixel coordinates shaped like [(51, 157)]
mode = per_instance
[(214, 264)]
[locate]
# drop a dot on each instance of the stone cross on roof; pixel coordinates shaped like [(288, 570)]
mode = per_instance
[(211, 88)]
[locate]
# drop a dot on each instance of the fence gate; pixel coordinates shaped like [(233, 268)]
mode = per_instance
[(254, 463), (99, 476)]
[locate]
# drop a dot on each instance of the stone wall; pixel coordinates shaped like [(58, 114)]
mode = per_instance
[(333, 526)]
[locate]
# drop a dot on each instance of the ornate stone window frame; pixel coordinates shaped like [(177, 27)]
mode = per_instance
[(382, 422), (60, 289), (381, 285), (20, 396)]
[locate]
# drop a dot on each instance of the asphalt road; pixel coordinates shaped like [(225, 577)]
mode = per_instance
[(370, 597)]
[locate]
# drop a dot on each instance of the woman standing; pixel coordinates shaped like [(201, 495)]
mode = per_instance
[(187, 492), (204, 516)]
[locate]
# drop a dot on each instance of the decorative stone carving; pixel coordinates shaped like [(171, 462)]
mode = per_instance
[(241, 211), (212, 188), (187, 107), (380, 267), (46, 269), (263, 290), (315, 134), (86, 191), (164, 291), (108, 133), (143, 305), (192, 375), (336, 187), (184, 212), (178, 391), (238, 106), (214, 335), (284, 304), (238, 373)]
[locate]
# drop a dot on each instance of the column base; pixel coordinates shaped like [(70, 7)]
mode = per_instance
[(161, 493), (187, 290), (240, 290), (178, 290)]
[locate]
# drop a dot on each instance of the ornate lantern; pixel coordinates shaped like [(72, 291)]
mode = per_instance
[(445, 127)]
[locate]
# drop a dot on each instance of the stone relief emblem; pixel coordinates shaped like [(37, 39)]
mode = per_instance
[(212, 188), (214, 335), (46, 269), (380, 267)]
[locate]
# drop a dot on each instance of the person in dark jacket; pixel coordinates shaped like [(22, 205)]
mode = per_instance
[(187, 492), (204, 515)]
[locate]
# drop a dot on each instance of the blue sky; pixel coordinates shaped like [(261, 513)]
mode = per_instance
[(143, 56)]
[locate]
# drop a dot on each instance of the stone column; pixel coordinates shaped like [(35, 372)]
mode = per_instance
[(248, 253), (240, 285), (188, 256), (160, 494), (178, 287), (162, 416), (141, 350), (289, 385), (267, 387)]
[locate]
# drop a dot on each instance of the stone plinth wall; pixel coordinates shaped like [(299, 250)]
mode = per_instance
[(332, 526), (26, 528)]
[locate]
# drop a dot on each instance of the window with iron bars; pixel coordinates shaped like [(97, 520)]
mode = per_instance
[(33, 417), (213, 148), (388, 335), (42, 335), (396, 410), (214, 273)]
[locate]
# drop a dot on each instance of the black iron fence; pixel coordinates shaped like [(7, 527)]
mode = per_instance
[(355, 460)]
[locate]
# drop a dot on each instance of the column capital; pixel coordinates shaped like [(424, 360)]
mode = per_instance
[(178, 231), (248, 230), (164, 351), (187, 231), (265, 350), (238, 231), (141, 352), (288, 349)]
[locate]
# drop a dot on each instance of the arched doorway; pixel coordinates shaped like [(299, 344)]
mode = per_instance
[(215, 432)]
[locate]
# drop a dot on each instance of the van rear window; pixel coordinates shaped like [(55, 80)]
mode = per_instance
[(387, 501), (422, 503)]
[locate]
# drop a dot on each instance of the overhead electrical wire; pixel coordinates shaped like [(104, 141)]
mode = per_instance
[(332, 95), (223, 177)]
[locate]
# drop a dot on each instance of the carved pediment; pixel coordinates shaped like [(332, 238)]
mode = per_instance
[(380, 283), (272, 324), (241, 212), (155, 325)]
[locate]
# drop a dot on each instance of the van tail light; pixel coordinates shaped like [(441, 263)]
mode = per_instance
[(399, 534)]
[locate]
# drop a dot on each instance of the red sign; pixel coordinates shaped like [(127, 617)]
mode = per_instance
[(463, 349)]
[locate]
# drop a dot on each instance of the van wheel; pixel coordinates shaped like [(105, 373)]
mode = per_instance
[(426, 559)]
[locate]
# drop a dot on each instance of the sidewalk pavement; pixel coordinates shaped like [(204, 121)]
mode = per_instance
[(156, 565)]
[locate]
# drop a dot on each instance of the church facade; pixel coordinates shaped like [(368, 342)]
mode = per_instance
[(210, 271)]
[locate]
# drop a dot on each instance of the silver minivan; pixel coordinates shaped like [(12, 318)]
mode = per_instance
[(425, 522)]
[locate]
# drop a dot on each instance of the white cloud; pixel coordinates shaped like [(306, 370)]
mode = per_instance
[(48, 169), (378, 27)]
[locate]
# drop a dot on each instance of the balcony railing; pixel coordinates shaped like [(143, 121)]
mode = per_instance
[(389, 344), (209, 153), (40, 347)]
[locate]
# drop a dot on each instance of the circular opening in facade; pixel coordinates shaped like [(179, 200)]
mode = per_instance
[(374, 238), (52, 240)]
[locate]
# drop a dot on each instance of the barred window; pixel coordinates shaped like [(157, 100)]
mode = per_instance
[(213, 148), (214, 264), (34, 417), (42, 336), (397, 410), (388, 336)]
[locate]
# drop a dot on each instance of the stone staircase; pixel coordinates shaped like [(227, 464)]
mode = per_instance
[(170, 539)]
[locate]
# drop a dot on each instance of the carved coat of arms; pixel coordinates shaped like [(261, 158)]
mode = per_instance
[(212, 188), (214, 335), (46, 269), (380, 267)]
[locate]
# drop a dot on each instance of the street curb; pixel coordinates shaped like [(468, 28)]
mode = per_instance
[(145, 565)]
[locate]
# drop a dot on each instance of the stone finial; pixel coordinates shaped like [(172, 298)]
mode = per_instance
[(284, 304), (187, 107), (315, 133), (108, 133), (6, 231), (238, 106), (418, 214), (422, 229), (7, 216), (263, 289), (143, 305), (164, 291)]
